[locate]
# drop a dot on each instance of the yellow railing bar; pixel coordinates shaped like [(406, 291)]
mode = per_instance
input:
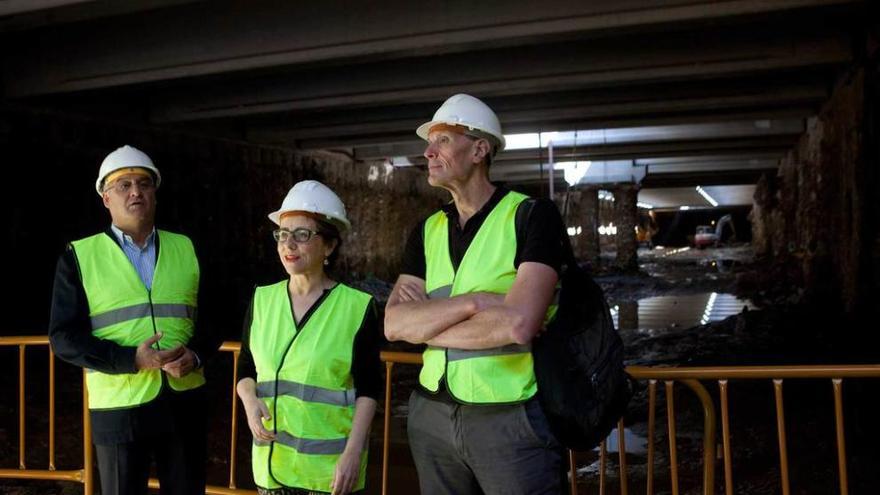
[(88, 465), (670, 420), (755, 372), (837, 384), (235, 349), (725, 435), (652, 418), (621, 455), (572, 480), (386, 433), (21, 407), (780, 428), (51, 410), (24, 340), (709, 422)]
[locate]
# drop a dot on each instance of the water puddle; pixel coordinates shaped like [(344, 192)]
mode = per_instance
[(668, 312), (632, 443), (720, 265)]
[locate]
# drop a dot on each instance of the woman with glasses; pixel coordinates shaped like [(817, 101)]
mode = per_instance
[(309, 358)]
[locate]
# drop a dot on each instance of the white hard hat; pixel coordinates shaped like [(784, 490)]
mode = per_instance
[(313, 197), (466, 111), (125, 157)]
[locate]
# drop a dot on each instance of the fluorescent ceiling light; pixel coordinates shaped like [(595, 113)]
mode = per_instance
[(574, 171), (706, 196), (400, 161)]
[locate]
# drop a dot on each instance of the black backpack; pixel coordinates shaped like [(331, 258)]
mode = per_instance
[(582, 385)]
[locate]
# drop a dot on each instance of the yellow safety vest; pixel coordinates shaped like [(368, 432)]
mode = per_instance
[(304, 377), (501, 375), (124, 311)]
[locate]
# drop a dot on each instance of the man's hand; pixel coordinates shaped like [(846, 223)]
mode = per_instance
[(411, 292), (181, 366), (148, 358)]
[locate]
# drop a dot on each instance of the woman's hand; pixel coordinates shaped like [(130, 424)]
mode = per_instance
[(257, 412), (348, 469), (255, 409)]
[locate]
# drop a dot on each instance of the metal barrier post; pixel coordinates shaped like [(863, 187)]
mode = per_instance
[(88, 466), (51, 410), (389, 365), (21, 408)]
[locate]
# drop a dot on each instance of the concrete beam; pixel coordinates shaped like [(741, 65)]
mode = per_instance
[(218, 38), (14, 7), (773, 92), (784, 102), (529, 70), (20, 15)]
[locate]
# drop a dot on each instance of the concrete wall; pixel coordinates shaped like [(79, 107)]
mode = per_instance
[(216, 191), (813, 219)]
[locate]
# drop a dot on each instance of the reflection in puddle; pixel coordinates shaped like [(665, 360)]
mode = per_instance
[(720, 265), (633, 444), (676, 311)]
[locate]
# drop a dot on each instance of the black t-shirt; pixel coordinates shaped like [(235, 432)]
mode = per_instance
[(538, 235)]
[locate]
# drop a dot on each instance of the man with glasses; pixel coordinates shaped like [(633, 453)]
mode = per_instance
[(126, 314), (477, 282)]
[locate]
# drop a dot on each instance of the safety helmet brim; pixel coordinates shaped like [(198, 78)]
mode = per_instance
[(313, 197), (425, 129), (126, 157)]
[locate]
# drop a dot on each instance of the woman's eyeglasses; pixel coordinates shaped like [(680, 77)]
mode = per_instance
[(300, 235)]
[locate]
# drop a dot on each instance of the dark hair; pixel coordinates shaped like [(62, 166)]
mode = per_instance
[(330, 232)]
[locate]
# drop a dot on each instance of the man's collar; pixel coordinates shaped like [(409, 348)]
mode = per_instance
[(500, 191), (125, 239)]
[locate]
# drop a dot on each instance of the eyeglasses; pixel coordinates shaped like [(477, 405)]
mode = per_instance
[(300, 235), (123, 186)]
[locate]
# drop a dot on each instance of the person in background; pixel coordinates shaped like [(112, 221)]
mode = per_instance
[(310, 367)]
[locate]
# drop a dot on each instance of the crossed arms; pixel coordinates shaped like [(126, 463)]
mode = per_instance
[(478, 320)]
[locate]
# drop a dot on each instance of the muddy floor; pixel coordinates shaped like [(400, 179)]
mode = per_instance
[(685, 307)]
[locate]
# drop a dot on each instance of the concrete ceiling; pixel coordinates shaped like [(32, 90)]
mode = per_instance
[(694, 92), (676, 197)]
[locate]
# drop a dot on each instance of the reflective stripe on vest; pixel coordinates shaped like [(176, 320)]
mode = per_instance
[(304, 377), (122, 310), (488, 376)]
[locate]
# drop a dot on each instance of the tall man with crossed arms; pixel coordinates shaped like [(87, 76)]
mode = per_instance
[(477, 281)]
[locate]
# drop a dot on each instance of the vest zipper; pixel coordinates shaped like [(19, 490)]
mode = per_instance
[(299, 328), (162, 375)]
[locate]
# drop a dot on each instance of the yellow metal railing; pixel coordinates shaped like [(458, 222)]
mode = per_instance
[(690, 377), (777, 374), (83, 475)]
